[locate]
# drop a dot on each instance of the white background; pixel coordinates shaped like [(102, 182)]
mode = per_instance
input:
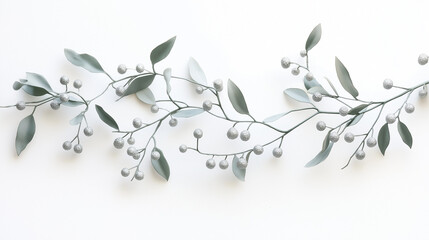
[(47, 193)]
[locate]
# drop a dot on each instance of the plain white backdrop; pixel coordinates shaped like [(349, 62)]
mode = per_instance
[(47, 193)]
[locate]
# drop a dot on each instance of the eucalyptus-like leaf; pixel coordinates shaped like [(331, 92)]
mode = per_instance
[(167, 77), (314, 83), (162, 51), (72, 103), (161, 165), (83, 60), (318, 89), (355, 119), (383, 138), (106, 118), (25, 133), (34, 91), (274, 117), (323, 154), (344, 77), (238, 172), (358, 109), (37, 80), (332, 86), (146, 96), (187, 113), (236, 98), (77, 120), (313, 38), (297, 94), (196, 72), (405, 134), (139, 83)]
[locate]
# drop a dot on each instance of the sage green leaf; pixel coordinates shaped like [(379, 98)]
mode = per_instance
[(332, 86), (197, 74), (162, 51), (25, 133), (383, 138), (355, 120), (344, 77), (313, 38), (106, 118), (37, 80), (167, 77), (161, 165), (318, 89), (139, 83), (146, 96), (323, 154), (314, 83), (34, 91), (83, 60), (405, 134), (187, 113), (77, 120), (72, 103), (358, 109), (297, 94), (236, 98), (274, 117), (238, 172)]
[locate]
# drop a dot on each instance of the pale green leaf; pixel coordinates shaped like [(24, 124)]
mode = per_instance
[(274, 117), (162, 51), (139, 83), (161, 165), (187, 113), (323, 154), (313, 38), (25, 133), (238, 172), (383, 138), (344, 77), (236, 98), (297, 94), (196, 72), (77, 120), (146, 96), (358, 109), (84, 60), (167, 77), (106, 118), (405, 134)]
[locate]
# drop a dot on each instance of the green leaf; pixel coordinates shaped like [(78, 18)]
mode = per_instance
[(146, 96), (34, 91), (25, 133), (106, 118), (313, 38), (77, 120), (187, 113), (406, 136), (297, 94), (167, 77), (323, 154), (162, 51), (355, 120), (161, 165), (314, 83), (37, 80), (274, 117), (197, 74), (139, 83), (237, 98), (238, 172), (344, 77), (83, 60), (72, 103), (358, 109), (383, 138), (332, 86), (318, 89)]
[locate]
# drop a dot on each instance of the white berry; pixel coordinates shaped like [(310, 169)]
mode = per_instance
[(183, 148), (67, 145), (387, 83), (245, 135), (309, 76), (199, 90), (334, 137), (210, 164), (343, 111), (303, 53), (173, 122), (349, 137), (258, 149), (64, 80), (232, 133), (155, 155), (139, 175), (423, 93), (198, 133), (360, 154), (317, 97), (88, 131), (118, 143), (390, 118), (77, 148), (218, 85), (125, 172), (371, 142), (77, 83), (320, 125), (295, 71), (131, 141), (122, 69), (223, 164), (140, 68), (120, 91), (137, 122), (154, 108), (423, 59), (207, 105), (409, 108), (20, 105), (131, 151), (242, 163), (285, 62), (64, 97), (277, 152)]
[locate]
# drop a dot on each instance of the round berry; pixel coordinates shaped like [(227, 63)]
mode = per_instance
[(223, 164), (125, 172), (349, 137), (207, 105), (131, 140), (77, 148), (140, 68), (120, 91), (232, 133), (155, 155), (64, 80), (137, 122), (245, 135), (136, 156), (64, 97), (258, 149), (309, 76), (173, 122), (131, 151), (118, 143), (423, 59), (210, 164), (390, 118), (183, 148), (371, 142), (154, 108), (77, 83), (285, 62), (20, 105), (198, 133), (320, 125), (139, 175), (343, 111), (360, 154), (334, 137), (17, 85), (218, 85), (317, 97), (423, 93), (277, 152), (67, 145), (88, 131), (409, 108), (295, 71), (122, 69), (303, 53), (199, 90), (242, 163), (387, 83), (55, 105)]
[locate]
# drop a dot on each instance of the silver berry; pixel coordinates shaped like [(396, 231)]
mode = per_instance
[(199, 90), (207, 105), (349, 137), (409, 108), (390, 118), (183, 148), (423, 93), (210, 164), (118, 143), (122, 68), (172, 122), (285, 62), (317, 97), (125, 172), (137, 122), (131, 140), (120, 91), (371, 142), (277, 152), (258, 149), (154, 108), (20, 105), (198, 133), (155, 155), (360, 154), (64, 80), (136, 156), (17, 85), (131, 151), (140, 68), (223, 164), (245, 135), (64, 97), (67, 145), (295, 71), (77, 83), (334, 137), (55, 105), (303, 53), (139, 175), (309, 76), (423, 59), (77, 148), (218, 85), (387, 83), (88, 131), (242, 163), (320, 125), (343, 111), (232, 133)]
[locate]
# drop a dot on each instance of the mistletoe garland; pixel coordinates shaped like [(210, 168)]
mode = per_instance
[(352, 110)]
